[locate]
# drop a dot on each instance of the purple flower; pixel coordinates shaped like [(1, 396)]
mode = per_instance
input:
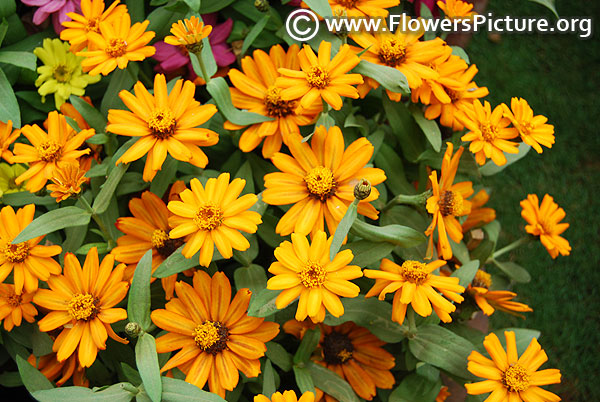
[(57, 8), (430, 5)]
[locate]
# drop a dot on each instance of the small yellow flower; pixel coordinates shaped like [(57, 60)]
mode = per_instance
[(287, 396), (189, 34), (456, 9), (61, 73), (67, 181), (8, 177), (533, 129), (544, 221), (492, 300), (14, 308)]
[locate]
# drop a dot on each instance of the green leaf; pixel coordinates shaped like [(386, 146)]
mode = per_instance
[(389, 77), (3, 29), (404, 128), (320, 7), (107, 190), (165, 176), (120, 80), (41, 342), (442, 348), (175, 390), (213, 6), (331, 383), (20, 59), (121, 392), (548, 4), (9, 107), (52, 221), (389, 161), (254, 32), (368, 252), (97, 139), (135, 8), (218, 89), (132, 182), (278, 355), (268, 387), (513, 271), (175, 263), (262, 303), (32, 378), (252, 277), (25, 197), (304, 380), (131, 374), (102, 248), (147, 361), (343, 228), (429, 127), (399, 235), (138, 302), (90, 114), (309, 343), (460, 52), (373, 314), (490, 168), (416, 388), (466, 273), (194, 5), (483, 251)]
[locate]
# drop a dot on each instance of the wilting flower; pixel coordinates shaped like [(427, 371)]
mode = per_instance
[(117, 43), (479, 215), (488, 133), (52, 369), (287, 396), (165, 123), (414, 284), (544, 221), (321, 77), (305, 271), (15, 307), (66, 181), (254, 89), (319, 180), (147, 229), (449, 201), (189, 34), (443, 395), (61, 73), (28, 261), (82, 300), (48, 150), (59, 9), (7, 137), (213, 215), (533, 129), (456, 9), (216, 336), (92, 14), (8, 176), (490, 300), (510, 377)]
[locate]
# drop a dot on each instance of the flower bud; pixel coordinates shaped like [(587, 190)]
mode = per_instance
[(262, 5), (133, 329), (362, 189)]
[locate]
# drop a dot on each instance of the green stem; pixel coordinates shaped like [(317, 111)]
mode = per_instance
[(202, 68), (511, 246), (410, 316), (107, 236), (416, 200)]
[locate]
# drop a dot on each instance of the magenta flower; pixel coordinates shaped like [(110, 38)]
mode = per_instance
[(430, 5), (57, 8)]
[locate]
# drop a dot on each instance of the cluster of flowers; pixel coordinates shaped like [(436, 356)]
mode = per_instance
[(315, 183)]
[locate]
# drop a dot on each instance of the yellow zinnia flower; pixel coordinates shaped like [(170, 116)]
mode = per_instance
[(319, 180), (362, 8), (8, 177), (216, 336), (61, 73), (478, 216), (48, 150), (92, 14), (414, 284), (213, 215), (321, 77), (305, 271), (490, 300), (66, 181), (28, 261), (287, 396), (456, 9), (510, 377), (117, 43), (255, 90), (165, 123), (189, 34), (439, 89), (544, 222), (15, 307), (7, 137), (82, 300), (52, 369), (532, 129)]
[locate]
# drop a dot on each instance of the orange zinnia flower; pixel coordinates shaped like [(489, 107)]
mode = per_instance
[(321, 77), (48, 150), (189, 34), (360, 8), (213, 215), (255, 90), (544, 222), (52, 369), (478, 215), (66, 181), (414, 284), (165, 123), (305, 271), (319, 180), (287, 396), (510, 377), (28, 261), (489, 300), (14, 307), (7, 137), (449, 201), (532, 129), (82, 300), (438, 90), (92, 14), (147, 229), (117, 43), (456, 9), (216, 336)]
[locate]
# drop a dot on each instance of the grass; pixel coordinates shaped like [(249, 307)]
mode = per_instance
[(559, 76)]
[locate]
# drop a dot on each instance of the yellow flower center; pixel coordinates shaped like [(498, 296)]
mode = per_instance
[(117, 47), (392, 52), (320, 182), (414, 271), (347, 3), (14, 300), (62, 73), (16, 252), (162, 123), (337, 348), (313, 275), (526, 128), (516, 378), (209, 217), (276, 107), (547, 227), (317, 77), (83, 307), (49, 151), (488, 132), (92, 25), (159, 237), (211, 336), (451, 203), (482, 280), (452, 94)]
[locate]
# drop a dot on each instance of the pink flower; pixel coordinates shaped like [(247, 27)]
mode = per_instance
[(57, 8), (430, 5)]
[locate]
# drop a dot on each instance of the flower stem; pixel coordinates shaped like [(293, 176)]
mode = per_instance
[(416, 200), (412, 326), (107, 236), (202, 67), (510, 247)]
